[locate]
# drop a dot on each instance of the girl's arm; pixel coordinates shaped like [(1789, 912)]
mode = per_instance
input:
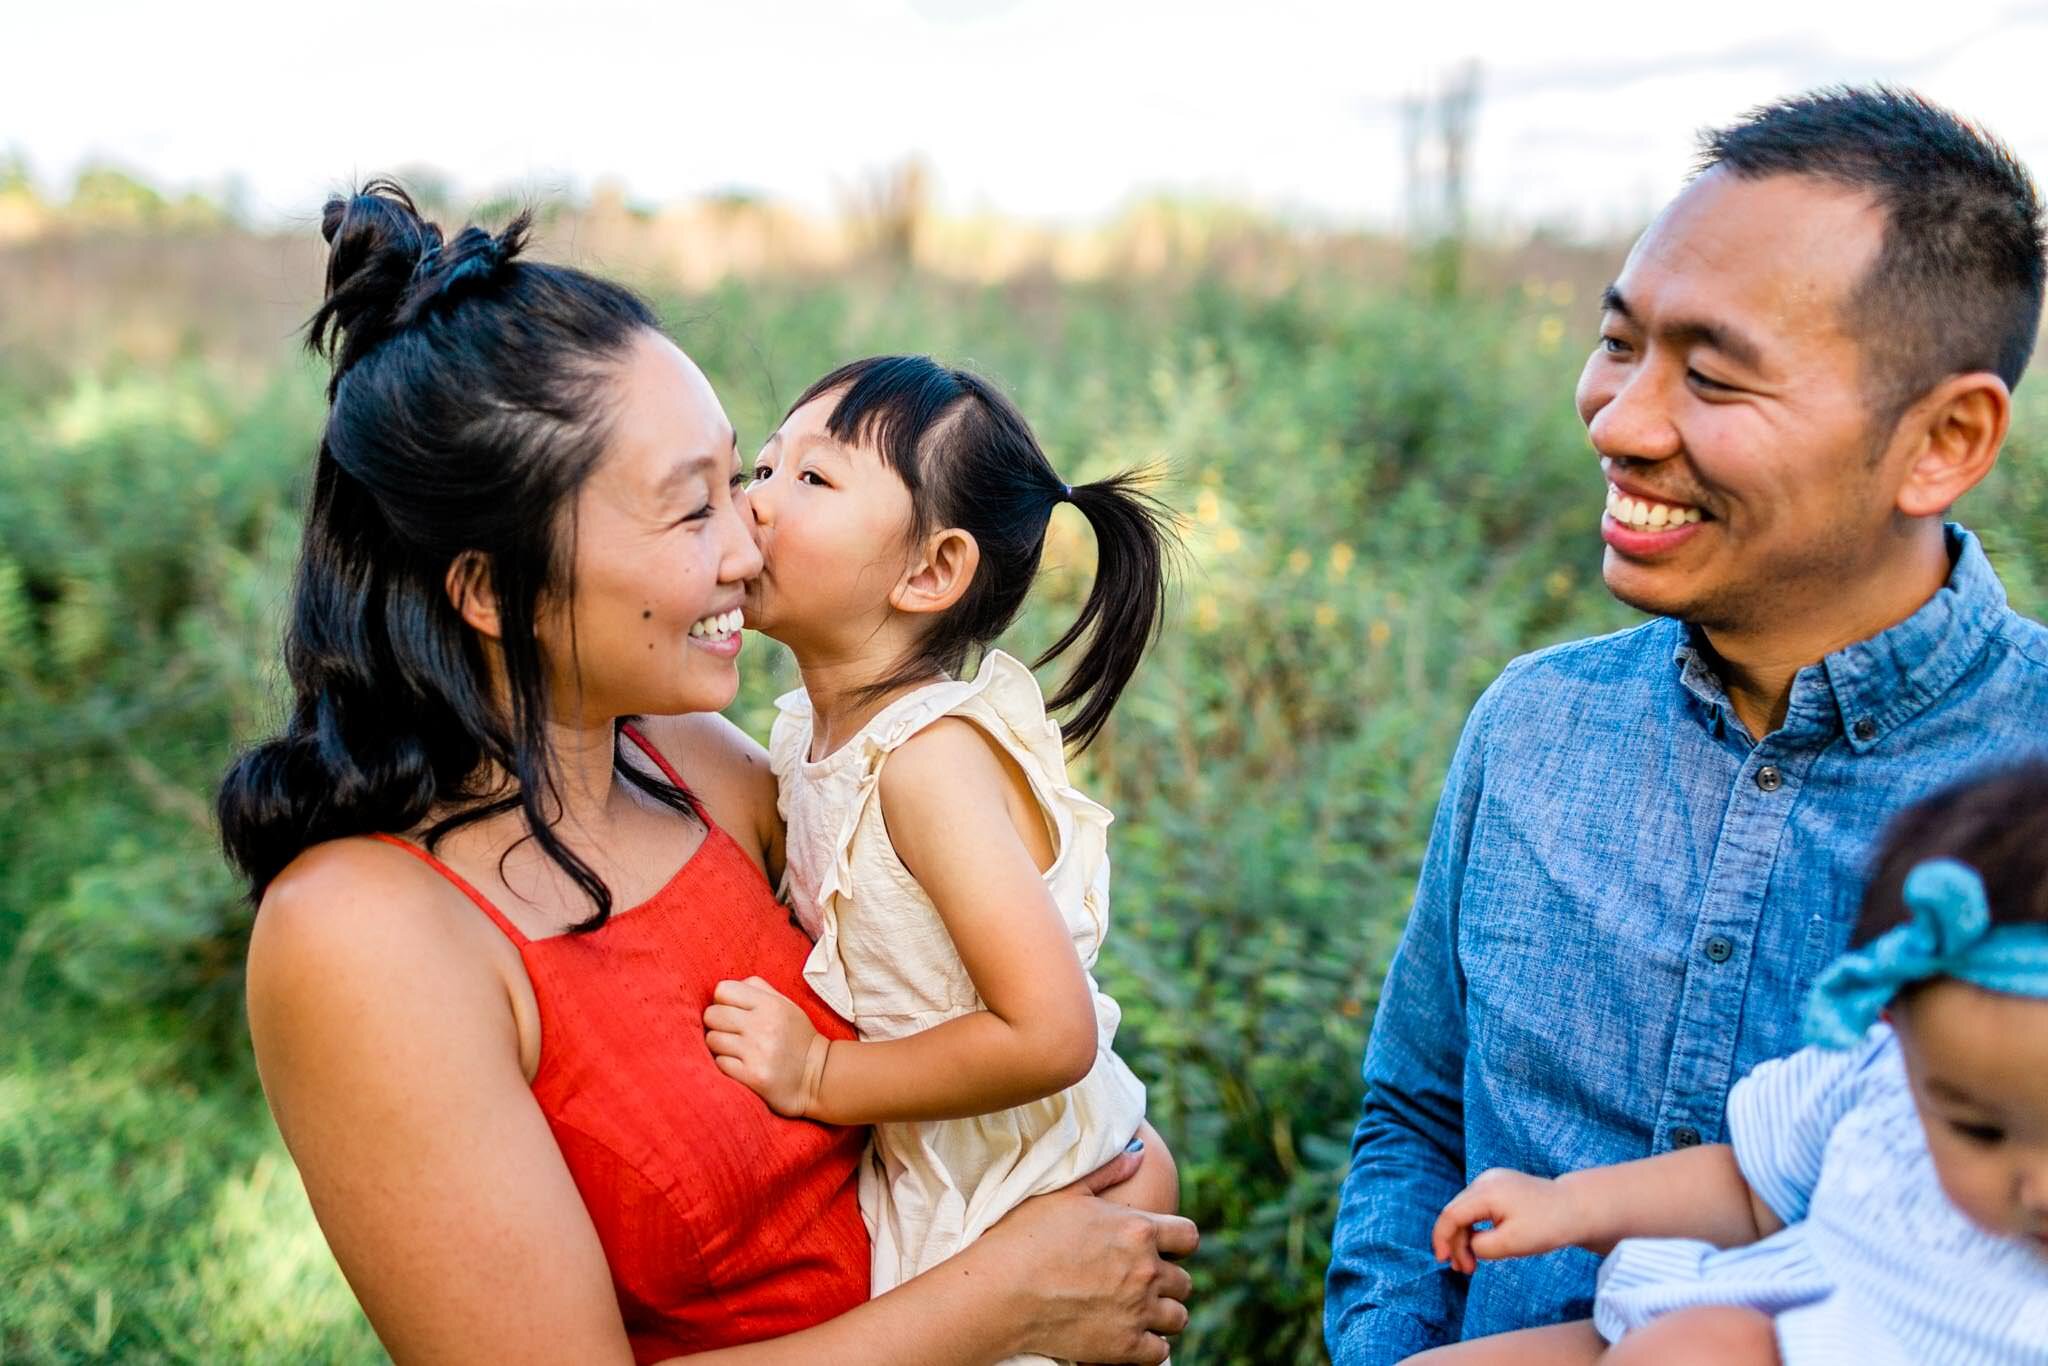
[(964, 821), (390, 1058), (1691, 1193)]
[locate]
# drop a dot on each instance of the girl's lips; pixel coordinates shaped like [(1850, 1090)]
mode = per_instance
[(1646, 544)]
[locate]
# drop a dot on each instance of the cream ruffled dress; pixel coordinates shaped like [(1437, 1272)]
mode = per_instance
[(883, 960)]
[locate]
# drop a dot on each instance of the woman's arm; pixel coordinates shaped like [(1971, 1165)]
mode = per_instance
[(956, 809), (1063, 1275), (1691, 1193), (388, 1052)]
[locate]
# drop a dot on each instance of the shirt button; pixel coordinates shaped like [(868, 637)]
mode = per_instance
[(1685, 1136), (1720, 949), (1769, 779), (1866, 729)]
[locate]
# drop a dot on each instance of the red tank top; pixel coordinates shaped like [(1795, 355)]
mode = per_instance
[(722, 1222)]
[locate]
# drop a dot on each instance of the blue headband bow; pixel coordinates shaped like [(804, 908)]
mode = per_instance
[(1950, 935)]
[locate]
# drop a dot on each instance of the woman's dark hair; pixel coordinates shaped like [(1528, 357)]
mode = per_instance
[(466, 406), (1997, 823), (970, 461)]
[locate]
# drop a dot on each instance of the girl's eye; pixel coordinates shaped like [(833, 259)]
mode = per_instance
[(811, 477), (1984, 1135), (758, 473)]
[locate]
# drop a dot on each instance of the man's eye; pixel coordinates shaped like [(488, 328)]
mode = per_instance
[(1703, 382), (1613, 346)]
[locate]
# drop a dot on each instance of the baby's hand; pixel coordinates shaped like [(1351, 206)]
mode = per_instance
[(1529, 1214), (762, 1038)]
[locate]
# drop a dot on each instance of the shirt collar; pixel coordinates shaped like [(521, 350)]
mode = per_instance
[(1877, 685), (1881, 683)]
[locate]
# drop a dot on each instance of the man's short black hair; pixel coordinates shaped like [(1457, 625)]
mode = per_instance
[(1957, 284)]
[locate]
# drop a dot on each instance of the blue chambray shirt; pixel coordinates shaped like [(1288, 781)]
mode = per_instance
[(1623, 905)]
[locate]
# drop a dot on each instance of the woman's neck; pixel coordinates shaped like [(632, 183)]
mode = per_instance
[(583, 754)]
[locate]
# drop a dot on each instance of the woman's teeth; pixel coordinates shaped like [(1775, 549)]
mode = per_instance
[(1642, 515), (724, 624)]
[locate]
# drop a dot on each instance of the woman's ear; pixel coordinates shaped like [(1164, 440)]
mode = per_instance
[(469, 589), (935, 580), (1960, 427)]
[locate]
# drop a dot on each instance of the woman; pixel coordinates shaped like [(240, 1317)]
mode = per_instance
[(491, 910)]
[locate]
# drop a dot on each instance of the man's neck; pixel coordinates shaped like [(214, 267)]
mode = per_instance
[(1758, 664)]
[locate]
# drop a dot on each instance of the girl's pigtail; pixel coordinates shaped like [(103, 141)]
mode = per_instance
[(1125, 610)]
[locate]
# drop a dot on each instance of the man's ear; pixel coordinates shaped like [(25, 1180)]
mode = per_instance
[(469, 589), (1955, 431), (936, 579)]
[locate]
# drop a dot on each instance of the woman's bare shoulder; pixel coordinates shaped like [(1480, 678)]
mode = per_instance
[(352, 920), (724, 766)]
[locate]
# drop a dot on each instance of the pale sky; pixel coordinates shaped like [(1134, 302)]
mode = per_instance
[(1059, 110)]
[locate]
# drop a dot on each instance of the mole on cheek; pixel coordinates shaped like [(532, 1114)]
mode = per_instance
[(646, 612)]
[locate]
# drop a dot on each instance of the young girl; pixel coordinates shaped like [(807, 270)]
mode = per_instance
[(956, 884), (1884, 1197)]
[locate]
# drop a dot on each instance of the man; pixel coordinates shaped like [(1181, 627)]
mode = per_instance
[(1650, 843)]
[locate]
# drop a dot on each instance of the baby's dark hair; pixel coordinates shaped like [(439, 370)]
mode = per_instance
[(1995, 822), (970, 461)]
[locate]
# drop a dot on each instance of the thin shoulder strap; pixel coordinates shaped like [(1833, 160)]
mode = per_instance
[(647, 748), (483, 902)]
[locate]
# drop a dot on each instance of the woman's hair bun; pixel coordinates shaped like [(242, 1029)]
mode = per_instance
[(387, 267)]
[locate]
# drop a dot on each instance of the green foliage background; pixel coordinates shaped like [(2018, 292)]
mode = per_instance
[(1386, 499)]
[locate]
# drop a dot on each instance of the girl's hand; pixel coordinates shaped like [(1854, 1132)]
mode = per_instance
[(1529, 1214), (763, 1039)]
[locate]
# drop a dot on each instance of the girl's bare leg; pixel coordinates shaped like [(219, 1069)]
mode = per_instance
[(1562, 1344), (1712, 1335)]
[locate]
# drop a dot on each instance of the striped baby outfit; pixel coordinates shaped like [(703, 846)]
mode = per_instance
[(1874, 1266)]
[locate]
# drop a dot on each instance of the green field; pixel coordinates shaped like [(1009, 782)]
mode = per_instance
[(1387, 497)]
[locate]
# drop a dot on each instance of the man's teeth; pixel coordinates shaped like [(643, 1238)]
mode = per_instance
[(1643, 515), (724, 624)]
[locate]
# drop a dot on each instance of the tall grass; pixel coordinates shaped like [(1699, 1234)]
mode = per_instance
[(1385, 501)]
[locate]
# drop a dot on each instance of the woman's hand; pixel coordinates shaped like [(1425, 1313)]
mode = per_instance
[(763, 1039), (1098, 1281), (1529, 1214)]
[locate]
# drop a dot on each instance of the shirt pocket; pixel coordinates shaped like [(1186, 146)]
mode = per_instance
[(1572, 953)]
